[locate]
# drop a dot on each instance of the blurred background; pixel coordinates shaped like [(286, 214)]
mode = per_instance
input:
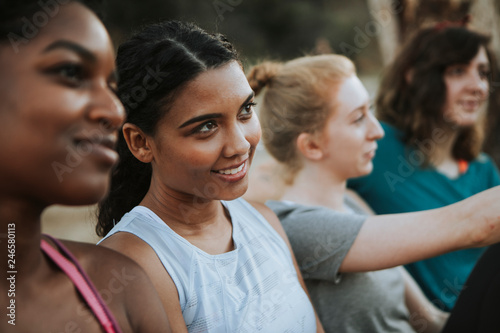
[(367, 31)]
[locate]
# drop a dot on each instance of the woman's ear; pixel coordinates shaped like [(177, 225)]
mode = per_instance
[(309, 146), (137, 142)]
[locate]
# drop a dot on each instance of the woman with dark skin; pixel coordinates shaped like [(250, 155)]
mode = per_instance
[(59, 117)]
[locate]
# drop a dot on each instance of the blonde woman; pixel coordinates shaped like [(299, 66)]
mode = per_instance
[(316, 122)]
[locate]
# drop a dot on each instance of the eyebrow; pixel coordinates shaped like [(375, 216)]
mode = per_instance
[(82, 52), (64, 44), (213, 115)]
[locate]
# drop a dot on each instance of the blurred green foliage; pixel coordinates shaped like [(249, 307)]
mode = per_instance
[(260, 29)]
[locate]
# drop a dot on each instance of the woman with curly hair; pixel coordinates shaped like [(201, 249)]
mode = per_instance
[(431, 104)]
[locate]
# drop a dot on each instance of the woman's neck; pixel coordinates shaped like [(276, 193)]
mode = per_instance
[(204, 223), (20, 237), (185, 214), (315, 186), (443, 149), (442, 157)]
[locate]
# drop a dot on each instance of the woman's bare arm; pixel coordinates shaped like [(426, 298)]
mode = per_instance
[(391, 240)]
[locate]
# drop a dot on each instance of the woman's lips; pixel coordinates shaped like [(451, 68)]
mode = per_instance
[(470, 105), (371, 153), (233, 173), (102, 148)]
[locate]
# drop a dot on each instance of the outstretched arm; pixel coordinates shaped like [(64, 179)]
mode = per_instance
[(391, 240)]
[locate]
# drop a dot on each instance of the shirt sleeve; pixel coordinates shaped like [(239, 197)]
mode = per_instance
[(320, 237)]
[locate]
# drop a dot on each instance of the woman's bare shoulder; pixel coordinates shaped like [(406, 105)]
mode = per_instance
[(123, 285), (103, 264)]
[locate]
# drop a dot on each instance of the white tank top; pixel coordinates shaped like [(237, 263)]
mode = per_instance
[(253, 288)]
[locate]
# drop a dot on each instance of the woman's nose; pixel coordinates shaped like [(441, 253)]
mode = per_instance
[(376, 131), (236, 141), (107, 108)]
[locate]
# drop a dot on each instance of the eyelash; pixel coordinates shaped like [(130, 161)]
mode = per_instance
[(364, 114), (199, 129), (249, 108), (74, 78), (360, 118), (485, 74), (455, 71), (246, 116)]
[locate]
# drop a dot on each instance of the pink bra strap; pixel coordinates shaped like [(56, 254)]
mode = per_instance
[(83, 284)]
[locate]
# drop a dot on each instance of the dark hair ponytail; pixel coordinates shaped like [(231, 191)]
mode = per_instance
[(152, 65)]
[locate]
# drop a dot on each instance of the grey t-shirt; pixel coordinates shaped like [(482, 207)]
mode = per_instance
[(368, 302)]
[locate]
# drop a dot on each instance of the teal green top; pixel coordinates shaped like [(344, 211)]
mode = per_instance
[(399, 183)]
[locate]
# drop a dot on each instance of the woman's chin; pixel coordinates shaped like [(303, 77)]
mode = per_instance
[(365, 171), (233, 193), (464, 120), (83, 195), (84, 199)]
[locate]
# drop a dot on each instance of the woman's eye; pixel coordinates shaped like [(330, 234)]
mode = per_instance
[(248, 110), (72, 73), (361, 113), (485, 74), (455, 71), (207, 127), (360, 118)]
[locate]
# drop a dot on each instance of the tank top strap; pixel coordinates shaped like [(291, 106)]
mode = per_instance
[(70, 266)]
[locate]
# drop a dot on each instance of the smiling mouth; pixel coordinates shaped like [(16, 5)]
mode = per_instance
[(471, 104), (231, 171), (107, 142), (99, 148)]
